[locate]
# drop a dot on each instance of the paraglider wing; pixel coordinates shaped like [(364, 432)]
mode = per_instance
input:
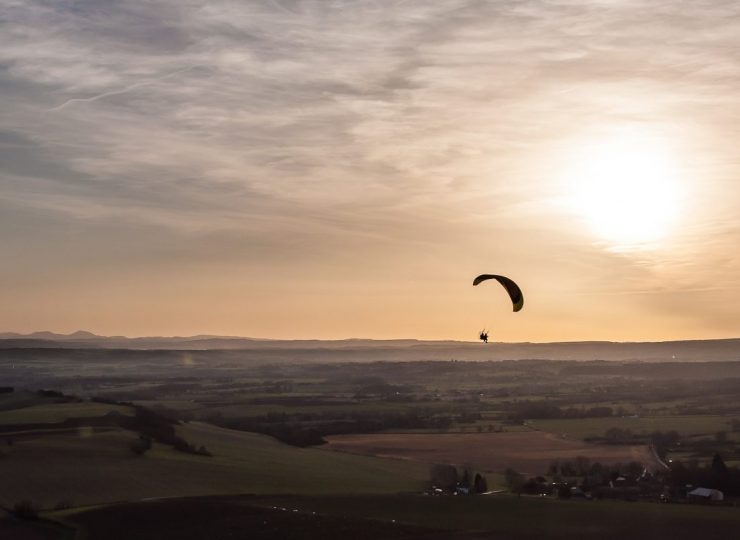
[(515, 293)]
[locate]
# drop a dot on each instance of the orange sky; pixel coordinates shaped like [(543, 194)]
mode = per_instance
[(331, 170)]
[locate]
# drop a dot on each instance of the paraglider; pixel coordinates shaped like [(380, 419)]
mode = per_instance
[(515, 293)]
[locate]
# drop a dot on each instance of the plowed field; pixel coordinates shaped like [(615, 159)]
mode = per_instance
[(530, 452)]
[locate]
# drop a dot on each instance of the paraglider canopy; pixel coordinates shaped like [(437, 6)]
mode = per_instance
[(515, 293)]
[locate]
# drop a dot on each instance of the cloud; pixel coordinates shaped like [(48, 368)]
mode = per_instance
[(387, 127), (117, 92)]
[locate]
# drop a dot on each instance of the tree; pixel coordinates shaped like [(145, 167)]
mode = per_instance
[(514, 480), (479, 484), (617, 435), (465, 480), (444, 476), (141, 445), (718, 465), (568, 469), (25, 510), (634, 468), (563, 491), (582, 465)]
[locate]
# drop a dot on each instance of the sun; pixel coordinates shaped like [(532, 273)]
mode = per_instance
[(626, 188)]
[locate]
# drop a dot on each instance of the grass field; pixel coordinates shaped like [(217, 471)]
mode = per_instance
[(100, 468), (276, 466), (58, 412), (595, 427), (16, 529), (222, 518), (408, 517), (367, 407), (529, 452), (515, 517), (17, 400)]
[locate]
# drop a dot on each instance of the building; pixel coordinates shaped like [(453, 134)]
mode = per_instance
[(705, 494)]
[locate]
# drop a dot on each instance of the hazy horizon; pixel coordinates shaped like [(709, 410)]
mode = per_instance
[(327, 170), (91, 335)]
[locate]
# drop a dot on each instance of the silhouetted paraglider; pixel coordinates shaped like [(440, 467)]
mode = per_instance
[(515, 293)]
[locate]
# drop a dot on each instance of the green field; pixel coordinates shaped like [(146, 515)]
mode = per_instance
[(595, 427), (274, 466), (99, 467), (58, 412), (508, 515), (238, 410), (410, 517), (17, 400)]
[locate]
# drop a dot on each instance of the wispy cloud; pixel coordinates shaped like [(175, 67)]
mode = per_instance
[(118, 92), (392, 128)]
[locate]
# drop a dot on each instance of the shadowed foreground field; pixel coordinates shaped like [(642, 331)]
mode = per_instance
[(48, 469), (529, 452), (17, 529), (397, 516), (218, 517)]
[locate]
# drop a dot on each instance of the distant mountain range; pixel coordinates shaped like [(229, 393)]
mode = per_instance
[(399, 349), (85, 335)]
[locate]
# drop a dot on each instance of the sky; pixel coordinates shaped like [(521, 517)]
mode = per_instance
[(333, 169)]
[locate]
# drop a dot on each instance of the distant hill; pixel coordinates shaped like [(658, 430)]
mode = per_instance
[(400, 349)]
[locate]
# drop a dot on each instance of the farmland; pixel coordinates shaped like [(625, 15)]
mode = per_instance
[(530, 452), (693, 425), (57, 412), (353, 436), (408, 517), (512, 517), (98, 467)]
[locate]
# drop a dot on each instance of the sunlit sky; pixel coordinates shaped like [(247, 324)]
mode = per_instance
[(332, 169)]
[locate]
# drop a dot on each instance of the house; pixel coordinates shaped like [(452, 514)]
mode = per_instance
[(705, 494), (578, 493)]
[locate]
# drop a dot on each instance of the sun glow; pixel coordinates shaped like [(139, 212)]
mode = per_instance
[(627, 189)]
